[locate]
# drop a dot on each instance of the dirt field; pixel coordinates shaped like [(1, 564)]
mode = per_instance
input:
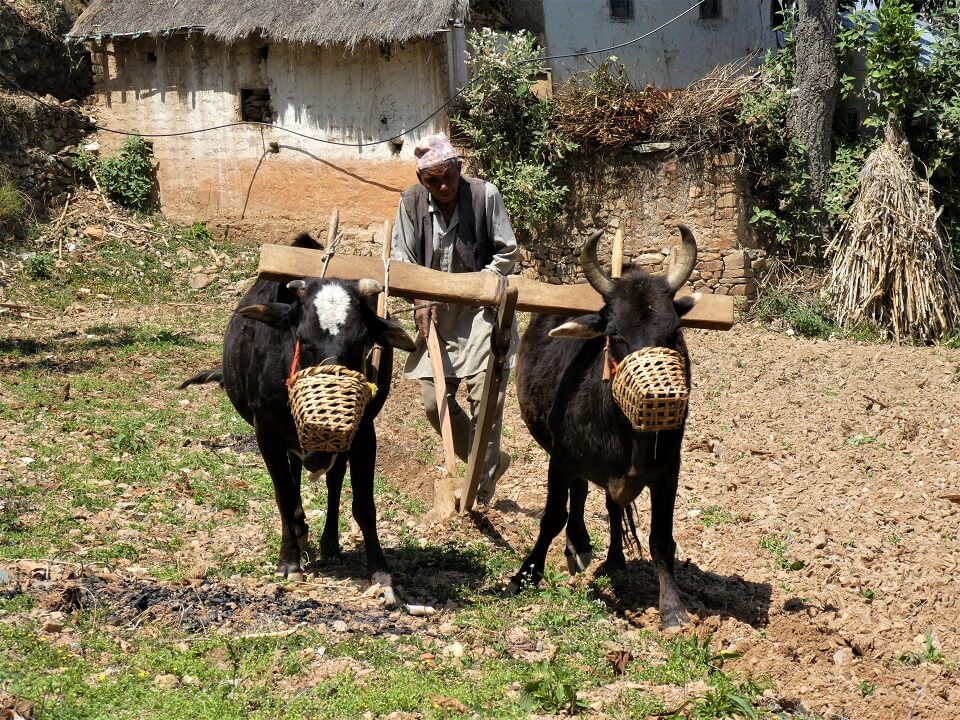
[(814, 536), (830, 454)]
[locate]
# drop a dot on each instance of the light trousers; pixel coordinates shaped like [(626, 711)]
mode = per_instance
[(464, 424)]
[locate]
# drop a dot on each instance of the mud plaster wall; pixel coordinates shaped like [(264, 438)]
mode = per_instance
[(647, 195), (229, 177)]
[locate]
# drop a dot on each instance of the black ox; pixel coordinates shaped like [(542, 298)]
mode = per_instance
[(571, 412), (335, 323)]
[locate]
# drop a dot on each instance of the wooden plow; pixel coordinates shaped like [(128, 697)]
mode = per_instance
[(507, 295)]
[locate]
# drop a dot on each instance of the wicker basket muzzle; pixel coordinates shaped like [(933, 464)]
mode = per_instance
[(650, 388), (327, 402)]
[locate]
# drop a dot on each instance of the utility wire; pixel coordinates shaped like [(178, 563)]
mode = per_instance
[(281, 128)]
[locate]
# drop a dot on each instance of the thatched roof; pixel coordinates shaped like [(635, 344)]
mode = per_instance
[(320, 22)]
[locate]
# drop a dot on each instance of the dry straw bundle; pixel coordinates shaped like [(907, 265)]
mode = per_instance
[(705, 115), (890, 263), (603, 109)]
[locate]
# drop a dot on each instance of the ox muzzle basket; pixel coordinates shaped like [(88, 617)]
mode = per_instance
[(327, 403), (650, 388)]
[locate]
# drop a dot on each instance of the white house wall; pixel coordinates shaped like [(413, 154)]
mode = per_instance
[(229, 176), (671, 58)]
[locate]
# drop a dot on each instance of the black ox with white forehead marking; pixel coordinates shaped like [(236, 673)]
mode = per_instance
[(571, 412), (335, 323)]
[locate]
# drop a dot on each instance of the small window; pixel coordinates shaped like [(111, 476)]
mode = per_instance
[(255, 105), (710, 10), (621, 9)]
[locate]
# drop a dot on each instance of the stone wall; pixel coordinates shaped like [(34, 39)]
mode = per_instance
[(34, 55), (40, 141), (647, 194)]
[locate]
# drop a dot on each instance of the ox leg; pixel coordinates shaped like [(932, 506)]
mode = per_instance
[(363, 457), (578, 551), (552, 522), (663, 495), (330, 540), (616, 561), (286, 491)]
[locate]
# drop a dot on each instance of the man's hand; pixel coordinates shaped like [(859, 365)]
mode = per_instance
[(424, 318)]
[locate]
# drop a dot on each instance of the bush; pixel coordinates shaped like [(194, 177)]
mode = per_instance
[(809, 318), (127, 177), (40, 266), (12, 205), (510, 130)]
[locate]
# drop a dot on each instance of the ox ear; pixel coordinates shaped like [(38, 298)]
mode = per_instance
[(279, 316), (387, 332), (584, 327), (684, 304), (298, 286)]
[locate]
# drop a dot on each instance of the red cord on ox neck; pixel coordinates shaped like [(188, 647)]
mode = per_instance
[(296, 361), (610, 363)]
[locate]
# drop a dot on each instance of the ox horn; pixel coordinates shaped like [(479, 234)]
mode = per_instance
[(686, 259), (595, 275), (369, 286)]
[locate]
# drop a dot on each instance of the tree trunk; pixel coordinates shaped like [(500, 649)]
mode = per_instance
[(815, 89)]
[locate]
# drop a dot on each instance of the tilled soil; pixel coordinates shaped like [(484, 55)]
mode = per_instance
[(814, 528), (815, 532)]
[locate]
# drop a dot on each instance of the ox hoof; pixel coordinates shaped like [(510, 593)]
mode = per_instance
[(512, 588), (578, 562), (672, 621), (385, 582)]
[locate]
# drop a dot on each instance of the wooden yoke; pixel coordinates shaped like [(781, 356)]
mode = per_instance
[(282, 262)]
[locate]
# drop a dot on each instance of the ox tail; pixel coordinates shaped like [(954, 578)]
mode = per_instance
[(630, 535), (207, 376)]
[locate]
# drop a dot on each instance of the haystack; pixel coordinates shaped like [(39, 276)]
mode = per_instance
[(890, 263)]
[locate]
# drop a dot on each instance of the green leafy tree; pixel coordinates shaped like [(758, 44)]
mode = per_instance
[(510, 130)]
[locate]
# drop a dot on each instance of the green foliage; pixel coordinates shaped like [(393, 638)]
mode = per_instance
[(777, 162), (40, 266), (931, 653), (893, 59), (12, 205), (510, 129), (83, 162), (844, 173), (715, 516), (552, 689), (777, 547), (810, 318), (127, 176), (198, 232)]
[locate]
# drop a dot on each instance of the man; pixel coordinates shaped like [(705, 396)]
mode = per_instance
[(454, 223)]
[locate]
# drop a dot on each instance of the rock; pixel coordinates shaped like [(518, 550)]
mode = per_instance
[(819, 541), (166, 682), (52, 626), (94, 232), (843, 656), (198, 281)]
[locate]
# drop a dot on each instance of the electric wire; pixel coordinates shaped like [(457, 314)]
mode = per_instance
[(340, 143)]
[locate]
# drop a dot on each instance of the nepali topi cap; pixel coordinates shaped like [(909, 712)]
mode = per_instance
[(434, 150)]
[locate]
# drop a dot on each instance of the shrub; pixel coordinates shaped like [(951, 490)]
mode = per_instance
[(510, 130), (12, 205), (810, 318), (40, 266), (127, 177)]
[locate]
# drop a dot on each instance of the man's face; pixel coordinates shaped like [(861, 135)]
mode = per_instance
[(442, 181)]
